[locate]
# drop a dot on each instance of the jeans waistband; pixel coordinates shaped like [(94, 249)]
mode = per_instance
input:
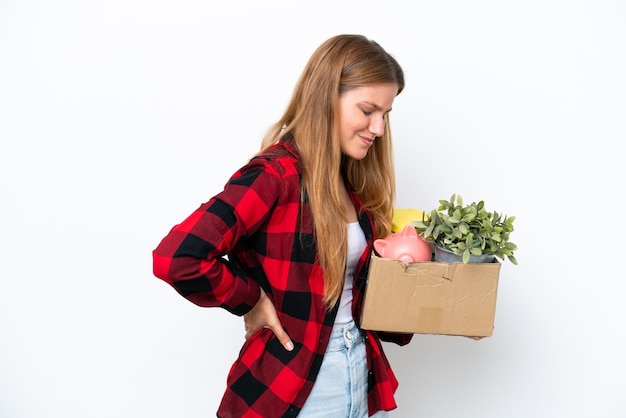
[(345, 336)]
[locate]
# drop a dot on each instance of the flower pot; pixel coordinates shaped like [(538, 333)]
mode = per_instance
[(447, 256)]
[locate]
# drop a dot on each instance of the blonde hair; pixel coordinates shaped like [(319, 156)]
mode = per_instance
[(341, 63)]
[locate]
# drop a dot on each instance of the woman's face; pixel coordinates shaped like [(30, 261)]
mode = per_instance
[(362, 113)]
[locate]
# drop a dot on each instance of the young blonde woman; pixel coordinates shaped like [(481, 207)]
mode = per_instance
[(287, 243)]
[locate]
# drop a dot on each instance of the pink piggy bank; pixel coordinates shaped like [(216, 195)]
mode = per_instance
[(406, 246)]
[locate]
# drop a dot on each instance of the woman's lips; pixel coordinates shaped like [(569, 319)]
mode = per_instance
[(368, 141)]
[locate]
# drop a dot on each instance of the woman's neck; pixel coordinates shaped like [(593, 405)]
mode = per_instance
[(348, 208)]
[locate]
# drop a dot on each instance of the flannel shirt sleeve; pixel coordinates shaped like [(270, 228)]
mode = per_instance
[(192, 256)]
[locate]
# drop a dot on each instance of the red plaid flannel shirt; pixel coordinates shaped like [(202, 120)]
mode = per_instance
[(254, 234)]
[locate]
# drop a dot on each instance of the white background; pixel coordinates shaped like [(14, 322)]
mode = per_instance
[(119, 117)]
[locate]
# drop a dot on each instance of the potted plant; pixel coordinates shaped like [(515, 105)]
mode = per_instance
[(468, 232)]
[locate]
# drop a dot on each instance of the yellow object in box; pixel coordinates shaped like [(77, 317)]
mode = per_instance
[(403, 217)]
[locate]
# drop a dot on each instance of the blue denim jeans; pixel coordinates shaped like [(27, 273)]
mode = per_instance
[(340, 390)]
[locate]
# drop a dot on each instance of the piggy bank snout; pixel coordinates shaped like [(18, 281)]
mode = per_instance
[(406, 258)]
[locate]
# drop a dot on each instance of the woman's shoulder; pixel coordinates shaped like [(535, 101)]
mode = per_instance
[(281, 156), (274, 171)]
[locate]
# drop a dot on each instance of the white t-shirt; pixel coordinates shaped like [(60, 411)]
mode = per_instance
[(356, 246)]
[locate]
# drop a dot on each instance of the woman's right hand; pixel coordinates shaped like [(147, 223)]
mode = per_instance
[(263, 315)]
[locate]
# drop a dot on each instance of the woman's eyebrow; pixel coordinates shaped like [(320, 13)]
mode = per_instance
[(375, 106)]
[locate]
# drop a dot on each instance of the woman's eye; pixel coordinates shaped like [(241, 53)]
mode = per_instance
[(366, 112)]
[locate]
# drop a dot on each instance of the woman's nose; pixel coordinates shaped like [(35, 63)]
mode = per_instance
[(377, 126)]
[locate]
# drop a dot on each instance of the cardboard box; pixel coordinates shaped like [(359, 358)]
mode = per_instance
[(431, 297)]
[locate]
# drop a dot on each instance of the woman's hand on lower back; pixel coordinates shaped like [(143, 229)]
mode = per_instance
[(263, 315)]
